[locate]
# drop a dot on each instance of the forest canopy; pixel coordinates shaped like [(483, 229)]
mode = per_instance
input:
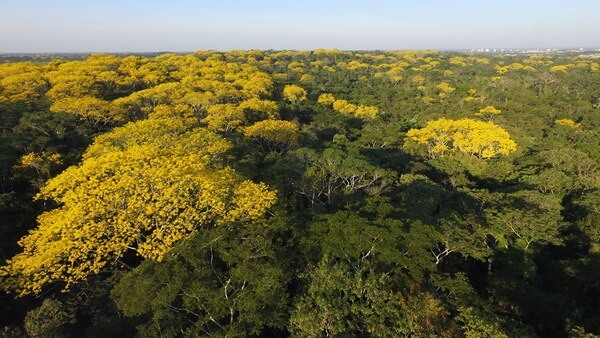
[(316, 193)]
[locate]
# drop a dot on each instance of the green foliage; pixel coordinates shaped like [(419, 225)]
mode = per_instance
[(526, 218), (347, 235), (397, 214), (48, 320), (421, 198), (341, 301), (218, 281), (332, 172), (477, 316)]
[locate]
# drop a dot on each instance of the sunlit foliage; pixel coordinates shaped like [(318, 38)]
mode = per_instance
[(142, 187), (480, 139), (347, 108), (567, 122), (276, 133), (402, 210), (294, 94)]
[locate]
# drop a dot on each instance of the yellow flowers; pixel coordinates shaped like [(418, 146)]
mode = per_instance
[(445, 88), (257, 109), (366, 112), (38, 166), (90, 108), (347, 108), (142, 187), (561, 68), (326, 98), (109, 89), (501, 70), (567, 122), (39, 161), (344, 107), (294, 94), (224, 117), (276, 132), (247, 206), (476, 138), (21, 82), (488, 111)]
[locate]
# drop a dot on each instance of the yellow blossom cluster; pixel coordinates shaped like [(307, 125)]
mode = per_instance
[(476, 138)]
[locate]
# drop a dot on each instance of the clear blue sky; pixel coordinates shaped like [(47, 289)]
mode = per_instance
[(186, 25)]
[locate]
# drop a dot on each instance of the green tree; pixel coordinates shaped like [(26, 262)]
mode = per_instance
[(340, 301), (476, 315), (326, 174), (220, 281), (48, 320)]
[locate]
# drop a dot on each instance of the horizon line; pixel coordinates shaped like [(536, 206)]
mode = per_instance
[(487, 49)]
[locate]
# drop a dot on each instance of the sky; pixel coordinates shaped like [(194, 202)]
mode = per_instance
[(35, 26)]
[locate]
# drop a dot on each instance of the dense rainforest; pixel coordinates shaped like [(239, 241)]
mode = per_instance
[(307, 194)]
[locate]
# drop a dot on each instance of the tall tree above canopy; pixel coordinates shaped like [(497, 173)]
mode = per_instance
[(142, 187), (23, 84), (294, 94), (476, 138), (274, 134)]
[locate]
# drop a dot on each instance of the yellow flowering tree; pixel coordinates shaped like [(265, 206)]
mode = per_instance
[(326, 98), (90, 108), (476, 138), (344, 107), (224, 117), (22, 83), (40, 163), (488, 112), (294, 94), (444, 89), (256, 109), (140, 188), (366, 112), (274, 134), (348, 108), (568, 123), (38, 167)]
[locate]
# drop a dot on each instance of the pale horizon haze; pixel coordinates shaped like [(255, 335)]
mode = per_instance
[(36, 26)]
